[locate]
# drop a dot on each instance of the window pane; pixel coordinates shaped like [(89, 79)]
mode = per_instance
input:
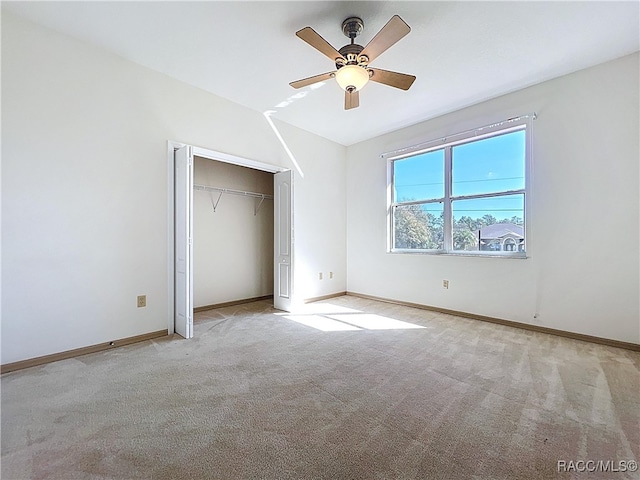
[(489, 224), (494, 164), (419, 178), (418, 226)]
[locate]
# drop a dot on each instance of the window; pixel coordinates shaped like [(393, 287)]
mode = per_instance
[(462, 196)]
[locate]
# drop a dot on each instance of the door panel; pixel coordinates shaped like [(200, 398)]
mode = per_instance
[(283, 255), (284, 280), (184, 242)]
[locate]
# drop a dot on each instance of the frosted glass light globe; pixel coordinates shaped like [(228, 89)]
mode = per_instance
[(352, 76)]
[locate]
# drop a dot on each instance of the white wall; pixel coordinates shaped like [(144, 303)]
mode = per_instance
[(84, 189), (583, 272), (319, 213), (233, 246)]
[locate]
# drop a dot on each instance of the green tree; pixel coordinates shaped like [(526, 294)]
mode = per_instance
[(466, 222), (414, 228), (464, 240), (437, 229), (487, 220)]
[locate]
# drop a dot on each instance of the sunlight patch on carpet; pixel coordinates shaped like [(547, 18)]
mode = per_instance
[(321, 323), (371, 321), (350, 322), (319, 309)]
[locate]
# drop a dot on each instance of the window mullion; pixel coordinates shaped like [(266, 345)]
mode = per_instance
[(448, 221), (489, 195), (419, 202)]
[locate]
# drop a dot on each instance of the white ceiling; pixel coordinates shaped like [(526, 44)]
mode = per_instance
[(461, 52)]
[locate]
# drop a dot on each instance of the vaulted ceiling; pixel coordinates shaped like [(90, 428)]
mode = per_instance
[(461, 52)]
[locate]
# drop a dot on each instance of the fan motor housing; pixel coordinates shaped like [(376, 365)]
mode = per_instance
[(353, 48), (351, 56)]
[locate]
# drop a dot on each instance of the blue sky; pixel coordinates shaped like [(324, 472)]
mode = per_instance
[(489, 165)]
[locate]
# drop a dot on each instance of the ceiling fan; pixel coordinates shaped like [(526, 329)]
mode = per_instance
[(352, 61)]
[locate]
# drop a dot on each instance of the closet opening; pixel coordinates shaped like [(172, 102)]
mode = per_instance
[(230, 238), (232, 234)]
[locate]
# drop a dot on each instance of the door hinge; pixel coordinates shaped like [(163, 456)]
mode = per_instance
[(190, 240)]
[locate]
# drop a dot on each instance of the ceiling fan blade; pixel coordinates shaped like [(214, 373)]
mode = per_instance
[(393, 31), (315, 79), (393, 79), (312, 37), (351, 100)]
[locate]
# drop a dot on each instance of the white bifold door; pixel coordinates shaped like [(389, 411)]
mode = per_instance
[(283, 240), (183, 242)]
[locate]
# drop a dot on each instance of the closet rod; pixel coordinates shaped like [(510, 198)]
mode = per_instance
[(221, 191), (207, 188)]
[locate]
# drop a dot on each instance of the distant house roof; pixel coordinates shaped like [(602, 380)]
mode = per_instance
[(501, 230)]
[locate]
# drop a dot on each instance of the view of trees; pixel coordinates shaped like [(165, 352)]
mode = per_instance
[(416, 228)]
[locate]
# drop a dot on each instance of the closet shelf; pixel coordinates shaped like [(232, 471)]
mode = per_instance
[(221, 191)]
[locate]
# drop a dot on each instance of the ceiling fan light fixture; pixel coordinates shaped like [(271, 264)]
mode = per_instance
[(352, 61), (352, 77)]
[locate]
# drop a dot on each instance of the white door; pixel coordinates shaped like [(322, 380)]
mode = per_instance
[(283, 240), (184, 242)]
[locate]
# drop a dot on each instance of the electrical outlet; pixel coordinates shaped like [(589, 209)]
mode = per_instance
[(330, 274), (445, 283), (142, 301), (320, 275)]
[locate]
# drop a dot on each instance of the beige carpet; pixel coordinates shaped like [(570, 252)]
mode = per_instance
[(347, 389)]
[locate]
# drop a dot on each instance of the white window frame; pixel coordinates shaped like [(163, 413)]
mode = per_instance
[(514, 124)]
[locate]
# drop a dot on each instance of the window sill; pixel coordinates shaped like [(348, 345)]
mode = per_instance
[(519, 256)]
